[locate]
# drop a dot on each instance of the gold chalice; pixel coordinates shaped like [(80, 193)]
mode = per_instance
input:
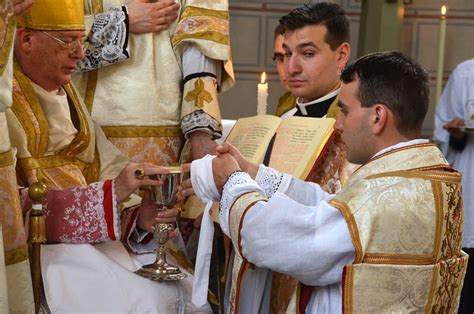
[(165, 195)]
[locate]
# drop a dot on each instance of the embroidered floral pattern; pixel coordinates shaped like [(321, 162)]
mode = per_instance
[(156, 150), (453, 221), (76, 215)]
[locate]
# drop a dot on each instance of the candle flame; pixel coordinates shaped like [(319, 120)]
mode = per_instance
[(263, 78), (444, 9)]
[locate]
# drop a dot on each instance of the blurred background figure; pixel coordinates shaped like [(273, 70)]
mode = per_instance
[(453, 132)]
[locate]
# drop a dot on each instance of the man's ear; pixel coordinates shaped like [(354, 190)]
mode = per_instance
[(343, 54), (24, 38), (379, 118)]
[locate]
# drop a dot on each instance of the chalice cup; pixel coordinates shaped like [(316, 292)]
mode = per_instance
[(165, 195)]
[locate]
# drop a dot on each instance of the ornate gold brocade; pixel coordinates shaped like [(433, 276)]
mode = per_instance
[(64, 169), (157, 150), (11, 218), (415, 264), (204, 24)]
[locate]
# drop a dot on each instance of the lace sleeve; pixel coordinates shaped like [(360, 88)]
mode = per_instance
[(108, 40), (271, 180)]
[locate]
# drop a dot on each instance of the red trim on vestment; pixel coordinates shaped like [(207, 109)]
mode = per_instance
[(305, 295), (109, 208)]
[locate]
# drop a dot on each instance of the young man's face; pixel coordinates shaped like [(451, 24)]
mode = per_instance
[(312, 67), (353, 123)]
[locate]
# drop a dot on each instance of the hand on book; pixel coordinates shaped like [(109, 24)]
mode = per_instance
[(244, 164)]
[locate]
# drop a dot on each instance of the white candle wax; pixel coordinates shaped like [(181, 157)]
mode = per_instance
[(442, 38), (262, 94)]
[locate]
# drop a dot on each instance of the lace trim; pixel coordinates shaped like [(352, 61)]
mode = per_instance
[(235, 179), (108, 40), (199, 120), (269, 180)]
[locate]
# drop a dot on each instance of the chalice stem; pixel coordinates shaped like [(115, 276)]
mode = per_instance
[(161, 256)]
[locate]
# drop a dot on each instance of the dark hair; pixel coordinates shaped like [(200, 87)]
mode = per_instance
[(330, 15), (279, 30), (396, 81)]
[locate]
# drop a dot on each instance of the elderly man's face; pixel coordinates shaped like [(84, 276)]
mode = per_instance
[(54, 56)]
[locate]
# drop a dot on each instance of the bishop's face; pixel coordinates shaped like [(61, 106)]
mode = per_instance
[(54, 56), (353, 123)]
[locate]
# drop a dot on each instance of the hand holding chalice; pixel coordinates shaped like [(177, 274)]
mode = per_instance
[(164, 195)]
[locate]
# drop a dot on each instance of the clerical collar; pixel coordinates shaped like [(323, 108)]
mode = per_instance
[(316, 108)]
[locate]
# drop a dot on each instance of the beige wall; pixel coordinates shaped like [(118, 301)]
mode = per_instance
[(252, 25)]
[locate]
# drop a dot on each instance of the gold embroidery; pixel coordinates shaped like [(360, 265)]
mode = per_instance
[(6, 158), (451, 274), (28, 110), (199, 95), (195, 11), (141, 131), (202, 24), (15, 256)]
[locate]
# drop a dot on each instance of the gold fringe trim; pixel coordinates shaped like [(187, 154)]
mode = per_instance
[(16, 256), (352, 224), (426, 175), (142, 131), (348, 287), (6, 158), (7, 45), (439, 205), (195, 11), (212, 36)]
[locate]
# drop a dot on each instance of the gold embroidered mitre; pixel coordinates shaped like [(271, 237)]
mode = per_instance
[(56, 15)]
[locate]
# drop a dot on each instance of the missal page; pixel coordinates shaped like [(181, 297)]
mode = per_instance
[(252, 135), (298, 143)]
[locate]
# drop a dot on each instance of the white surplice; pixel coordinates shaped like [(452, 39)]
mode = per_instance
[(458, 92)]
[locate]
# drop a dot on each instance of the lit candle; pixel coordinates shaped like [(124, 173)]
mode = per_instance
[(262, 94), (442, 37)]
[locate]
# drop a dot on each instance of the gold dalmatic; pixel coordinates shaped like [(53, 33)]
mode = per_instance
[(405, 216)]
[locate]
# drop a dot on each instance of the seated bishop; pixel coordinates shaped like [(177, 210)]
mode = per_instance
[(95, 242)]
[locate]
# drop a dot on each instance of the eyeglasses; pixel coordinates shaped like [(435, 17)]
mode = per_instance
[(72, 46)]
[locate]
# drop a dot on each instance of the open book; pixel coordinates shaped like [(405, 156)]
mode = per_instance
[(299, 142)]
